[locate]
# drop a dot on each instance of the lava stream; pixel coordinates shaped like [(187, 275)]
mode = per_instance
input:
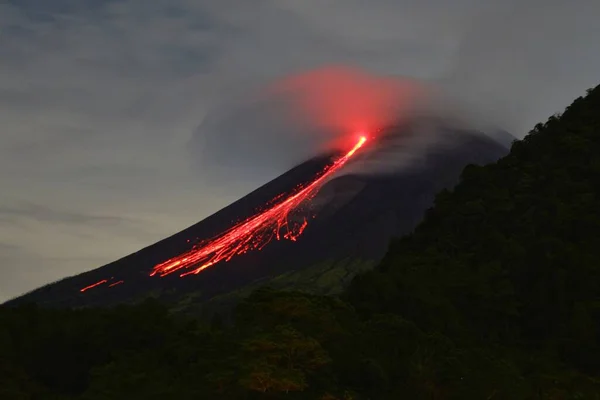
[(255, 232), (93, 285)]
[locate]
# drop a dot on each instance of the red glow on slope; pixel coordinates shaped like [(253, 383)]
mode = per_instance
[(255, 232), (102, 282), (93, 285)]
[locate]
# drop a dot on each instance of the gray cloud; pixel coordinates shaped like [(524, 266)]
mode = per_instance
[(521, 61), (99, 99)]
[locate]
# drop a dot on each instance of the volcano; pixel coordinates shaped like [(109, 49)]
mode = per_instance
[(342, 226)]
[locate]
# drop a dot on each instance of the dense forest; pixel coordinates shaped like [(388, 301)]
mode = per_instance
[(495, 295)]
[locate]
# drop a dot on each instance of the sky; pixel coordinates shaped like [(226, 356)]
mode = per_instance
[(105, 105)]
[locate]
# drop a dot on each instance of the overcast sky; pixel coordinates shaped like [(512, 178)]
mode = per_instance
[(99, 99)]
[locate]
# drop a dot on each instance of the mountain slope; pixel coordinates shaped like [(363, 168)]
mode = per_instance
[(512, 254), (357, 215)]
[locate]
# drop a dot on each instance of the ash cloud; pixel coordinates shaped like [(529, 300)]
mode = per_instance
[(299, 116)]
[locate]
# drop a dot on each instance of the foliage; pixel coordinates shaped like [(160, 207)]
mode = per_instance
[(496, 295)]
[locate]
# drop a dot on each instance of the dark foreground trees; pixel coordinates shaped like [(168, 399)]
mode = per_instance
[(496, 295)]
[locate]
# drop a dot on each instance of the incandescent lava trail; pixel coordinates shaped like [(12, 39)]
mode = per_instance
[(255, 232), (93, 285)]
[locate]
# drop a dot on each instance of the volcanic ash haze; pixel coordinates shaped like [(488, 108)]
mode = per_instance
[(257, 137), (341, 100)]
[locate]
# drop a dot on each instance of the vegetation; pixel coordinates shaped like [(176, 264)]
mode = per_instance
[(496, 295)]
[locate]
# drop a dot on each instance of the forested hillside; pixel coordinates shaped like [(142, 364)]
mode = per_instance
[(496, 295)]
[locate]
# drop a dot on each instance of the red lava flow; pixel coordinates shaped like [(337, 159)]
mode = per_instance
[(254, 233), (102, 282), (93, 285)]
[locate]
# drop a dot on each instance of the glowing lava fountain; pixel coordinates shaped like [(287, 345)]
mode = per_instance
[(255, 232)]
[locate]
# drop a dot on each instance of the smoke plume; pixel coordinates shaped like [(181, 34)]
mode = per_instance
[(297, 117)]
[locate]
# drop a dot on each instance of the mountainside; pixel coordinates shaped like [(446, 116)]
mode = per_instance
[(511, 256), (356, 216)]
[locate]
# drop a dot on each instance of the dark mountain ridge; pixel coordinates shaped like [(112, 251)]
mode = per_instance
[(357, 215)]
